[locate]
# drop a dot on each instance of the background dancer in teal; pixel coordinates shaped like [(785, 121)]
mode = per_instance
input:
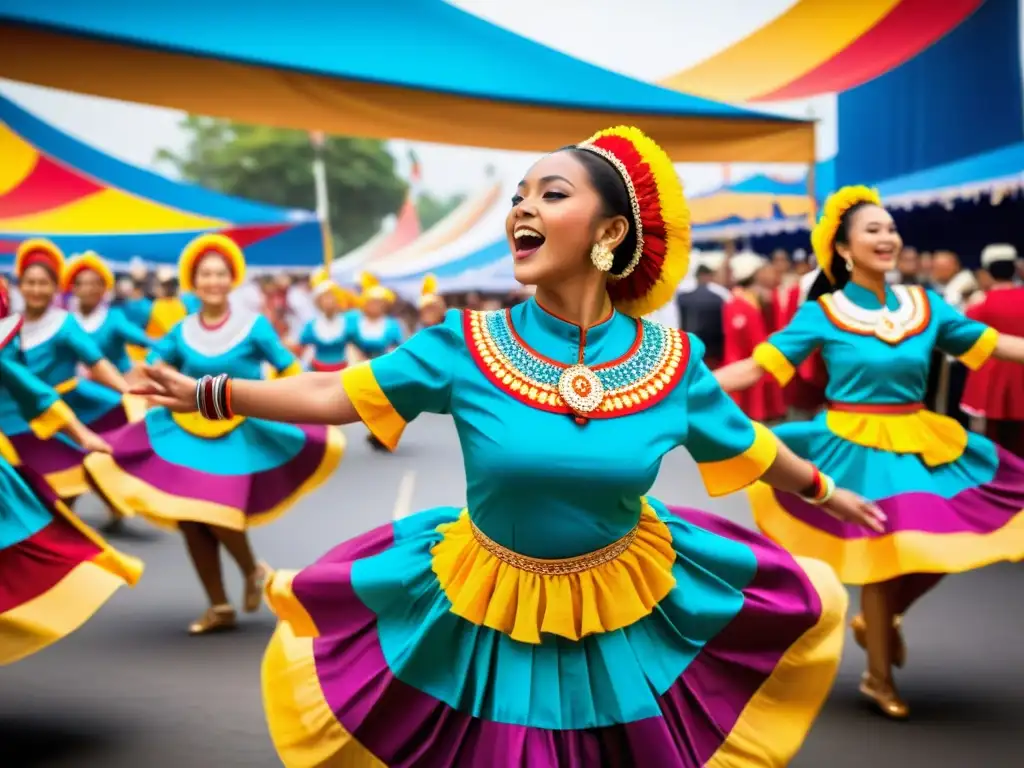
[(954, 500)]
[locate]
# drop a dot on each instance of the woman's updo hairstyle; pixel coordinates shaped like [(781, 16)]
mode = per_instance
[(612, 190)]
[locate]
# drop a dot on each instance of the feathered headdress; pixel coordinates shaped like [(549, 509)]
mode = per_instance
[(372, 289), (90, 261), (661, 219), (428, 293), (39, 251), (212, 242), (823, 236)]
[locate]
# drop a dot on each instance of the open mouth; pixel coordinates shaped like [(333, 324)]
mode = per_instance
[(527, 241)]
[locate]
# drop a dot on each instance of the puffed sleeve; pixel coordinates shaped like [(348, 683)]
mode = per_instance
[(74, 337), (971, 341), (38, 403), (167, 349), (786, 349), (731, 451), (273, 350), (127, 331), (390, 391)]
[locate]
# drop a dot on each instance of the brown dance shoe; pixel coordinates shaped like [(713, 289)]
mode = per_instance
[(218, 618), (885, 697)]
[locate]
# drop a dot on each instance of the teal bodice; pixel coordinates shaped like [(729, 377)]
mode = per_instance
[(239, 347), (539, 482), (329, 337), (27, 394), (111, 329), (52, 348), (867, 365), (372, 337)]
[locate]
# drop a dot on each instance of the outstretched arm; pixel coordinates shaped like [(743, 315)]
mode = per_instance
[(740, 375), (1010, 348), (308, 398)]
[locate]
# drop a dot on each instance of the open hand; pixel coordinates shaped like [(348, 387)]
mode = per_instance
[(851, 508), (162, 385)]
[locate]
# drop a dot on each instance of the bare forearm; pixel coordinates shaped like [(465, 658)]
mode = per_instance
[(309, 398), (740, 375), (106, 374), (1010, 348), (73, 428), (789, 472)]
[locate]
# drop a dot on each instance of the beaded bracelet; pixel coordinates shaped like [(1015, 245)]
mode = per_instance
[(213, 397), (821, 490)]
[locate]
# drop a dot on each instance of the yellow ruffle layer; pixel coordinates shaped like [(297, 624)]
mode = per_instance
[(523, 604), (935, 438)]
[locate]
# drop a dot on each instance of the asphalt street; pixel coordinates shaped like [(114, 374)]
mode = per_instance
[(133, 689)]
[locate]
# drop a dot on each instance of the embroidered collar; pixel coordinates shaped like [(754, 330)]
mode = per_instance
[(640, 378), (94, 320), (35, 332), (906, 314), (212, 342), (9, 327)]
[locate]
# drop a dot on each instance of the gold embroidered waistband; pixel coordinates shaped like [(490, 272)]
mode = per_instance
[(560, 566), (66, 386)]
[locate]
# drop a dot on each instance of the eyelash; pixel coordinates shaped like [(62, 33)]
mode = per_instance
[(517, 199)]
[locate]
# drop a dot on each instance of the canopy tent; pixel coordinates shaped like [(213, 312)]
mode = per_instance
[(414, 69), (996, 173), (403, 229), (54, 186), (760, 205), (814, 48), (458, 224)]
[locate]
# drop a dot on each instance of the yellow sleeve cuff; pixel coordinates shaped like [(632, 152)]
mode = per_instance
[(774, 362), (372, 405), (292, 370), (979, 354), (51, 421), (730, 475)]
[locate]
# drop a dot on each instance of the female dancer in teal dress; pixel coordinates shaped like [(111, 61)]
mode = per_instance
[(565, 618), (432, 306), (54, 346), (215, 480), (328, 334), (90, 280), (372, 332), (54, 571), (954, 501)]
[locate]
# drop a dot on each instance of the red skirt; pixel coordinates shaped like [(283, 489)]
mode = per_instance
[(995, 391)]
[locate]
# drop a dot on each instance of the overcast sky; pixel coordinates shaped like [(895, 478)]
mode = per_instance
[(647, 39)]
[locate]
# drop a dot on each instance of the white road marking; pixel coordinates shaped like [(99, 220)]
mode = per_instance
[(403, 501)]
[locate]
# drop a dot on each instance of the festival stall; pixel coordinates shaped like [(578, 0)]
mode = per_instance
[(54, 186)]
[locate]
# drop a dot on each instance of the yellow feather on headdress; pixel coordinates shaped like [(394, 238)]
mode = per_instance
[(823, 236), (367, 281), (429, 286)]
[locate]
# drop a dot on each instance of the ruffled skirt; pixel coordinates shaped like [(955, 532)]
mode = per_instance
[(948, 518), (55, 572), (247, 476), (59, 459), (413, 645)]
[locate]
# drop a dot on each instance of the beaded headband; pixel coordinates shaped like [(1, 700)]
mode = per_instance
[(661, 219)]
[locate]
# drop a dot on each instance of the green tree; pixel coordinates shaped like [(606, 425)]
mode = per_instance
[(431, 210), (275, 166)]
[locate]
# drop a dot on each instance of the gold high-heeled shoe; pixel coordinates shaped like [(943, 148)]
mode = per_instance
[(254, 584), (897, 645), (218, 618), (884, 696)]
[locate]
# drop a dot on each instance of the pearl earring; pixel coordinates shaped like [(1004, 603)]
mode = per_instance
[(602, 257)]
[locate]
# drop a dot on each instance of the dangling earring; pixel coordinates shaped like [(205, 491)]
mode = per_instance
[(602, 257), (849, 265)]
